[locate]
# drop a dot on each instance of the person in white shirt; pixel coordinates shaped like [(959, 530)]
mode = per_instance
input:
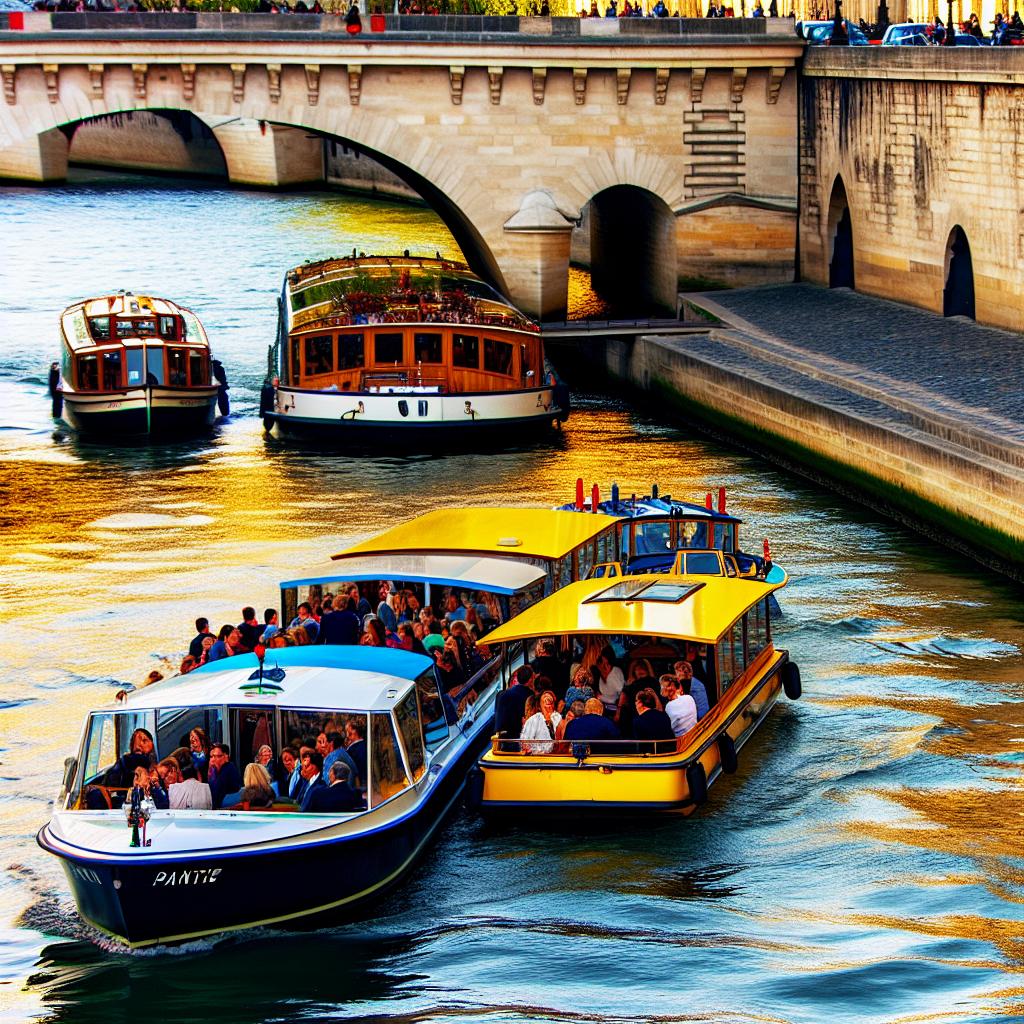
[(613, 682), (189, 793), (542, 726), (680, 707)]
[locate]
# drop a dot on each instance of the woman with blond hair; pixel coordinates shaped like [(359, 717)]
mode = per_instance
[(256, 788)]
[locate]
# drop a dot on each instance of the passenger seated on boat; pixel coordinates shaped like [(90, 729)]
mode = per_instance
[(541, 727), (305, 620), (148, 780), (641, 675), (258, 791), (583, 683), (312, 766), (433, 639), (449, 675), (188, 663), (695, 656), (190, 793), (576, 710), (612, 682), (651, 727), (336, 753), (679, 706), (510, 705), (693, 686), (140, 753), (335, 797), (355, 745), (546, 663), (592, 725), (224, 778), (374, 634)]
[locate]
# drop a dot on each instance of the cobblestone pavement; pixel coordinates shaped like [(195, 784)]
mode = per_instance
[(955, 359)]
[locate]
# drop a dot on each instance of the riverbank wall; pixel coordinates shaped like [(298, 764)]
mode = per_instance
[(918, 455)]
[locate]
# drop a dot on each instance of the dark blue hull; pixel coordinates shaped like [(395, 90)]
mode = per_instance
[(148, 900)]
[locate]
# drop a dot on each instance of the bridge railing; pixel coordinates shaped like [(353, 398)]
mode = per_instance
[(391, 24)]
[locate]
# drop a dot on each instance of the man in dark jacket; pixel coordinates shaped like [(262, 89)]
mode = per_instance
[(511, 704), (653, 728), (312, 767), (224, 778), (592, 725), (341, 625), (338, 796)]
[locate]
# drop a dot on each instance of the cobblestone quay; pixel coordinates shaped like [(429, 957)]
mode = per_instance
[(911, 412)]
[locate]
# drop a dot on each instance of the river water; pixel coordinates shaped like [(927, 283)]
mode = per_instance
[(865, 863)]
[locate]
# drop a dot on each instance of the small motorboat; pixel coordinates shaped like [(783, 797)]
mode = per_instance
[(134, 365), (145, 876), (629, 634), (384, 347)]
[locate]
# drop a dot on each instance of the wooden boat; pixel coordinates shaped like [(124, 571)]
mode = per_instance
[(649, 617), (421, 349), (211, 871), (134, 365)]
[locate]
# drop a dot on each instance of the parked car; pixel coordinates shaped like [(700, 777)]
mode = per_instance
[(7, 6), (909, 33), (819, 33)]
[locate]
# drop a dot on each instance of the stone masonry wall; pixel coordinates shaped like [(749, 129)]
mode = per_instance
[(924, 141)]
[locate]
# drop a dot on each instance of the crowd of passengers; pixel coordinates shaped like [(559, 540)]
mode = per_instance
[(553, 707), (450, 634), (322, 773)]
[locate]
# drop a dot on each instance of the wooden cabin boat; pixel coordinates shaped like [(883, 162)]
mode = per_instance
[(649, 618), (374, 347), (134, 365), (201, 872)]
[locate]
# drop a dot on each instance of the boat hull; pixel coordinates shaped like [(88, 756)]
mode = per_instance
[(423, 417), (141, 412), (627, 784), (145, 899)]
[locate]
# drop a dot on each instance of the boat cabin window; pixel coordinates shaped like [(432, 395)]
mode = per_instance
[(387, 771), (133, 357), (652, 537), (757, 631), (177, 367), (107, 739), (100, 327), (301, 728), (407, 714), (168, 327), (294, 367), (174, 727), (111, 371), (155, 365), (427, 348), (584, 560), (253, 727), (435, 722), (87, 377), (729, 656), (497, 356), (702, 563), (137, 328), (198, 369), (319, 354), (692, 534), (527, 596), (387, 348), (466, 351), (561, 571), (351, 351)]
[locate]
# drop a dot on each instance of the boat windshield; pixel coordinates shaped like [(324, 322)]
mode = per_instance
[(101, 760)]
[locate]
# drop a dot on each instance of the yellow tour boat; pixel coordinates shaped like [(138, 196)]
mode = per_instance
[(646, 626)]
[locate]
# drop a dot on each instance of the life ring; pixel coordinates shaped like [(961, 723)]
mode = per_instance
[(697, 783), (791, 680), (727, 754)]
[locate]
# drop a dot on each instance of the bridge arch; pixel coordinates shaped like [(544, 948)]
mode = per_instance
[(958, 290), (633, 258), (840, 238)]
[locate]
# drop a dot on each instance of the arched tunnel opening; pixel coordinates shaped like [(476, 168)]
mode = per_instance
[(958, 295), (633, 263), (840, 234)]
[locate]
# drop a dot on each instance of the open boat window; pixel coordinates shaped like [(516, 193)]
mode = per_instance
[(319, 354), (351, 351), (387, 771), (100, 327), (427, 348), (111, 371), (387, 348), (177, 367)]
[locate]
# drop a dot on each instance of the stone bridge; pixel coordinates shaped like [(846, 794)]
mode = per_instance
[(680, 144)]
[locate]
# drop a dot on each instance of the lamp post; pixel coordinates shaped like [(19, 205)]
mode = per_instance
[(950, 38)]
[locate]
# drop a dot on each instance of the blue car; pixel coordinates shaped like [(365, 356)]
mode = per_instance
[(819, 33)]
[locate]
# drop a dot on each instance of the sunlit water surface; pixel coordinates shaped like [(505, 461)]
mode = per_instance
[(863, 865)]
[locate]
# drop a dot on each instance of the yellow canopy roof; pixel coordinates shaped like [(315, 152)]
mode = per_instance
[(523, 532), (698, 608)]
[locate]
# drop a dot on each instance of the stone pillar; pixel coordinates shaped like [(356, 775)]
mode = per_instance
[(41, 157), (535, 257), (268, 155)]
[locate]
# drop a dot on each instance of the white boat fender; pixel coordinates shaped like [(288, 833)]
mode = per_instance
[(697, 783), (727, 754), (791, 680)]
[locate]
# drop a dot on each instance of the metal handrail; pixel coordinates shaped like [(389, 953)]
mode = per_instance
[(581, 749)]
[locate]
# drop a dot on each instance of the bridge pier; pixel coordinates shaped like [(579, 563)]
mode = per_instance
[(268, 155), (42, 157)]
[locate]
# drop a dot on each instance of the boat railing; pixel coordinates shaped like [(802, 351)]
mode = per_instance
[(582, 749)]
